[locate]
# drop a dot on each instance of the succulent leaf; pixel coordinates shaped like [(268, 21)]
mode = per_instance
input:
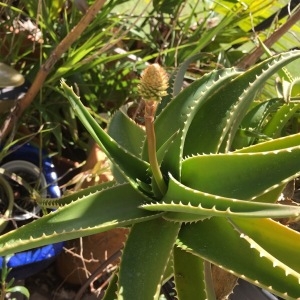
[(112, 207), (184, 107), (250, 130), (189, 276), (181, 199), (180, 73), (221, 244), (128, 164), (145, 260), (235, 175), (281, 117), (71, 197), (282, 242), (281, 143), (111, 291), (126, 133), (213, 133)]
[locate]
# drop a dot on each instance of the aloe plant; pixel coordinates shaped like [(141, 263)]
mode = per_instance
[(198, 200)]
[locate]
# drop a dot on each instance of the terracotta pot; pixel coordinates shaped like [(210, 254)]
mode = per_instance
[(224, 282), (94, 250), (83, 256)]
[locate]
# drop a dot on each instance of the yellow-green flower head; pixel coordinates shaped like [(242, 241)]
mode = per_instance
[(153, 83)]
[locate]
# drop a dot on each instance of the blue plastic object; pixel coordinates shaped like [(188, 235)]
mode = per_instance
[(27, 263), (30, 153)]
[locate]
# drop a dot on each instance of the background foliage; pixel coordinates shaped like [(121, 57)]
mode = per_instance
[(99, 62)]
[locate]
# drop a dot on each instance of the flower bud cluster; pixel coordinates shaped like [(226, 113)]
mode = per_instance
[(153, 83)]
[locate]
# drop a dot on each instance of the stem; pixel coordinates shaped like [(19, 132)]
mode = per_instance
[(150, 109)]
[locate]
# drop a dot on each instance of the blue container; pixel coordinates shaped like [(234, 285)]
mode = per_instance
[(32, 154), (27, 263)]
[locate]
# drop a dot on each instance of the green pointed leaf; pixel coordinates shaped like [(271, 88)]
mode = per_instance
[(144, 260), (241, 175), (189, 276), (169, 271), (272, 195), (19, 289), (184, 107), (290, 141), (126, 133), (282, 115), (111, 291), (251, 126), (69, 198), (256, 81), (282, 242), (97, 212), (180, 73), (214, 132), (184, 201), (217, 241), (129, 165)]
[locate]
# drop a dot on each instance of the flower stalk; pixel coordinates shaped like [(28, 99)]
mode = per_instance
[(153, 86)]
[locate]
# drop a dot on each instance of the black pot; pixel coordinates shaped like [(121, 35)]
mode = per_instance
[(247, 291)]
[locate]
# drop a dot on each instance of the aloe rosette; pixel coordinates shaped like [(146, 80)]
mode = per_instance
[(220, 203)]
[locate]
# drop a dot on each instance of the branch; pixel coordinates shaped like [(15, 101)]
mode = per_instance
[(251, 59), (41, 76)]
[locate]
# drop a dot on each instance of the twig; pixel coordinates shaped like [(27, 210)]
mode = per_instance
[(41, 76), (251, 59), (95, 274)]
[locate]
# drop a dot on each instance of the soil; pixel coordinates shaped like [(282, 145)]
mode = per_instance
[(81, 271), (48, 285)]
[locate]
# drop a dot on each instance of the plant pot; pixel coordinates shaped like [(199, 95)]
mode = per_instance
[(40, 159), (85, 256), (247, 291), (24, 161), (24, 207), (6, 202)]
